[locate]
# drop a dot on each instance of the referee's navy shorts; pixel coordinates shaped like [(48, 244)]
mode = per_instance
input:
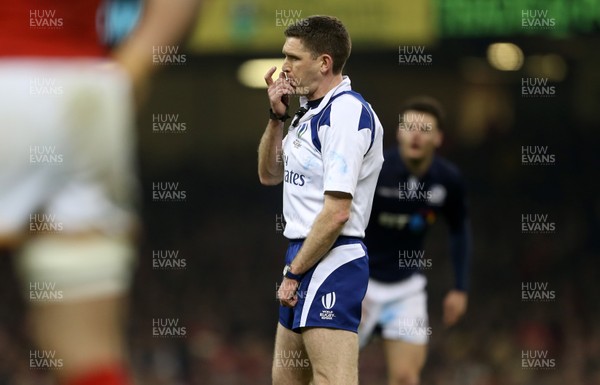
[(331, 292)]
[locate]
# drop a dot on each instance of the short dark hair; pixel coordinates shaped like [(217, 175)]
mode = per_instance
[(323, 35), (427, 105)]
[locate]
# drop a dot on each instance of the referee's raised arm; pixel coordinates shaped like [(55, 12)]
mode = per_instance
[(270, 154)]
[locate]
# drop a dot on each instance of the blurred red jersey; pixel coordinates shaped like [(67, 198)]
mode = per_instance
[(55, 28)]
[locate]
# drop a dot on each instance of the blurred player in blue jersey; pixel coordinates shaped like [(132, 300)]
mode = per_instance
[(67, 181), (332, 155), (415, 187)]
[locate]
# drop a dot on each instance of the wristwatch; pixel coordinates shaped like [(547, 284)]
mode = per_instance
[(274, 116), (287, 273)]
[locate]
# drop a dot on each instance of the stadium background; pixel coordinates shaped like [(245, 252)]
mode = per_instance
[(227, 228)]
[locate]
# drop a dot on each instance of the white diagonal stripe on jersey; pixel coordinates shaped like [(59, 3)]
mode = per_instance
[(331, 262)]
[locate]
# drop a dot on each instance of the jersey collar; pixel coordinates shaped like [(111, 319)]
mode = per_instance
[(345, 85)]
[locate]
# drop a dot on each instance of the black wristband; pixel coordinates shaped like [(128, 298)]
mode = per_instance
[(287, 273), (274, 116)]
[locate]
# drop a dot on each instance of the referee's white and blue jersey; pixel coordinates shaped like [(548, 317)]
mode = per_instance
[(336, 146)]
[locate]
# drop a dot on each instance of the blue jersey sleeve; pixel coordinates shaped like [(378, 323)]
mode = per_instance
[(460, 251), (456, 215)]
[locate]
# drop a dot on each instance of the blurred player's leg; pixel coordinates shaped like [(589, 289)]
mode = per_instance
[(371, 311), (69, 191), (406, 332), (400, 309), (324, 347), (290, 358), (66, 165), (65, 328), (404, 361), (84, 329)]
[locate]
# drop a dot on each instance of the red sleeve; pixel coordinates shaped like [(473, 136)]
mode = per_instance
[(55, 28)]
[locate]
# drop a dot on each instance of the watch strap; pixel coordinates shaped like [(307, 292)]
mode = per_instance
[(274, 116), (290, 275)]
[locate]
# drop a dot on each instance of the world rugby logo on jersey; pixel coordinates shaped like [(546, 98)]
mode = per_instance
[(328, 302), (297, 142), (302, 130)]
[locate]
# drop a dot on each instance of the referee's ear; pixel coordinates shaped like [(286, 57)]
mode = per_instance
[(326, 63)]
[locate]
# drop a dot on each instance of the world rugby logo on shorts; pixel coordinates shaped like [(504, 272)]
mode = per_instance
[(328, 300)]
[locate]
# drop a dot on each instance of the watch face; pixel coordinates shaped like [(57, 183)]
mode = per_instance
[(286, 268)]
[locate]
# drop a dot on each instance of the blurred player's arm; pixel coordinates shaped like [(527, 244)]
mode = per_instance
[(460, 250), (325, 230), (270, 153), (163, 22), (455, 302)]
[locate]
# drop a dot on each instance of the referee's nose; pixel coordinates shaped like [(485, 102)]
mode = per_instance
[(285, 66)]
